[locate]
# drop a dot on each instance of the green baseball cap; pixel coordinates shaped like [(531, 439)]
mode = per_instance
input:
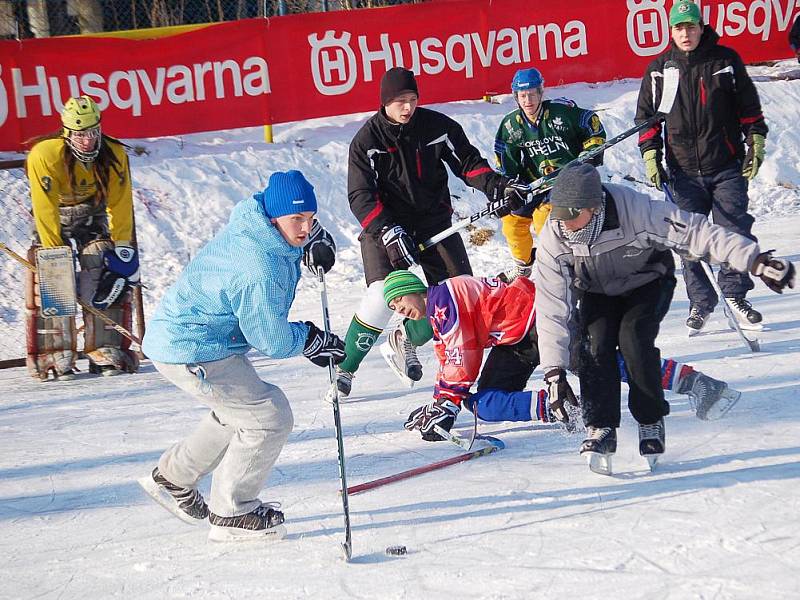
[(684, 12), (401, 283)]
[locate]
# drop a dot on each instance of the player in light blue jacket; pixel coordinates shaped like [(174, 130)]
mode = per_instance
[(233, 296)]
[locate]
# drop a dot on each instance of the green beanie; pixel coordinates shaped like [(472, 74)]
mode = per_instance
[(400, 283), (684, 11)]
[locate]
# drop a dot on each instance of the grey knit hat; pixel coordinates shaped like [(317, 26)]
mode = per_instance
[(577, 186)]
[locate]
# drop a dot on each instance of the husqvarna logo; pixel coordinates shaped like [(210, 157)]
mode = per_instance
[(647, 26)]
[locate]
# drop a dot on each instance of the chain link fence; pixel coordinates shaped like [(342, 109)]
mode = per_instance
[(44, 18)]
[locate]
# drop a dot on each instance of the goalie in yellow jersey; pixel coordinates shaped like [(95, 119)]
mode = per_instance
[(81, 198)]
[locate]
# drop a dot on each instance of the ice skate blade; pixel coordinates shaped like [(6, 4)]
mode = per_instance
[(388, 356), (693, 332), (652, 461), (721, 407), (599, 463), (748, 326), (332, 394), (235, 534), (162, 497)]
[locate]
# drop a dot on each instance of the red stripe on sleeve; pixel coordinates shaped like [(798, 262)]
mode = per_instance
[(373, 213), (749, 120), (476, 172), (650, 133)]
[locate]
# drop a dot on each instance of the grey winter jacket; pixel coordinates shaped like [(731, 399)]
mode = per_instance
[(631, 250)]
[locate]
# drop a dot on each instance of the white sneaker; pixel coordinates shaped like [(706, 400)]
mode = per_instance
[(401, 356)]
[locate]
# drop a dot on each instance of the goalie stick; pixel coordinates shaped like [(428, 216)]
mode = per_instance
[(87, 307), (669, 91)]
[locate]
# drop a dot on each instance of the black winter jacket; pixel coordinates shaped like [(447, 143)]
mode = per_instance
[(716, 109), (396, 173)]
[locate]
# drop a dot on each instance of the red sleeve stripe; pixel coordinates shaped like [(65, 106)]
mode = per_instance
[(749, 120), (476, 172), (373, 213), (650, 133)]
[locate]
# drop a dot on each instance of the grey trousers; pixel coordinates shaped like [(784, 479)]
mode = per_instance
[(239, 440)]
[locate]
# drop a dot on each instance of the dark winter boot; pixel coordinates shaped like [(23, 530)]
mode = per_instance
[(262, 522)]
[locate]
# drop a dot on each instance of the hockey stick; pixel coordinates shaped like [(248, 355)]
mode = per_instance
[(668, 95), (347, 546), (493, 446), (87, 307), (753, 345)]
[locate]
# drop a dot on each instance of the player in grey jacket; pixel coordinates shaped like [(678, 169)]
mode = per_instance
[(611, 246)]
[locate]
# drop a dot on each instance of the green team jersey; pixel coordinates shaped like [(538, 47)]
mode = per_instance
[(562, 131)]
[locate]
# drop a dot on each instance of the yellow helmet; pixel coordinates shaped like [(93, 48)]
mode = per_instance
[(80, 113)]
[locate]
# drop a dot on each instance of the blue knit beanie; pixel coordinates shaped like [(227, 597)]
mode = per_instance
[(287, 193)]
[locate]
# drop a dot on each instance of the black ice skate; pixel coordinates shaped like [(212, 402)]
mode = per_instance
[(401, 356), (710, 398), (652, 441), (697, 320), (744, 313), (598, 448), (264, 523), (185, 503)]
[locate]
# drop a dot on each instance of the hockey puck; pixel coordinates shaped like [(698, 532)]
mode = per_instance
[(396, 550)]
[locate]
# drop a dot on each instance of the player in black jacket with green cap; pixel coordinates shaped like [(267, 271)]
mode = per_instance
[(716, 110), (397, 188)]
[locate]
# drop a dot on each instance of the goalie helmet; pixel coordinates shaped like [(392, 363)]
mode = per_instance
[(81, 121), (527, 79)]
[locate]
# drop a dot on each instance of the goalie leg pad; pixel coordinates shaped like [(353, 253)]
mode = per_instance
[(51, 341), (102, 344)]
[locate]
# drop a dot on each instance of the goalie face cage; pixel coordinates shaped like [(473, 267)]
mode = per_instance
[(15, 231)]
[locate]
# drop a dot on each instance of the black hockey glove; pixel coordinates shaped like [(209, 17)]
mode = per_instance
[(321, 346), (120, 273), (776, 273), (320, 249), (559, 394), (399, 247), (511, 191), (439, 412)]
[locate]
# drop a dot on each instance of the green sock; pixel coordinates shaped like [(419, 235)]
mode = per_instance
[(357, 343), (418, 332)]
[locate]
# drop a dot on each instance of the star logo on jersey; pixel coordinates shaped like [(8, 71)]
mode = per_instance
[(439, 314)]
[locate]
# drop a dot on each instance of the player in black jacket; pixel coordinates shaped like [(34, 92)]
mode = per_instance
[(397, 188), (717, 109)]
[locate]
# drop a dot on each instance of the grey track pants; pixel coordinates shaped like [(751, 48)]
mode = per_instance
[(239, 440)]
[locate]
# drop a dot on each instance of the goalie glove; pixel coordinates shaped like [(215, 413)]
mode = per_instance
[(120, 273)]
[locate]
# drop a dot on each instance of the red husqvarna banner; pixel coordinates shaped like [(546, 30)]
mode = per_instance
[(258, 71)]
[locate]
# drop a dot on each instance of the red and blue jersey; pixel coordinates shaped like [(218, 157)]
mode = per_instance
[(469, 314)]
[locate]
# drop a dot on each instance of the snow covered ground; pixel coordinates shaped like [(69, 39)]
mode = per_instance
[(719, 519)]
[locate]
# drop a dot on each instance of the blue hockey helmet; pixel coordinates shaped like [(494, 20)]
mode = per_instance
[(527, 79)]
